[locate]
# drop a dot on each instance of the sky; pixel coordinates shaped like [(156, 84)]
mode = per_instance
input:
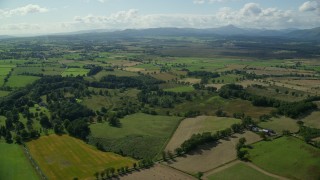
[(31, 17)]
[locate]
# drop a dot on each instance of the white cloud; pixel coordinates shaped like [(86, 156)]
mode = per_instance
[(311, 6), (211, 1), (251, 15), (308, 6), (21, 11)]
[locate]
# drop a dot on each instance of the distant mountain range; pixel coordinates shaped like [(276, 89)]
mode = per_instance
[(5, 37), (230, 30)]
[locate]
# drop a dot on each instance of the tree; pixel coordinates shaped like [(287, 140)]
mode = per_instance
[(242, 140), (242, 154), (199, 175), (102, 174), (44, 121), (178, 151), (8, 137), (164, 156), (96, 174), (112, 170), (300, 123), (263, 135), (170, 155)]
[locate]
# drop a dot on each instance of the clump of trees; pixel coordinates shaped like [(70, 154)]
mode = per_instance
[(94, 70), (241, 153), (290, 109)]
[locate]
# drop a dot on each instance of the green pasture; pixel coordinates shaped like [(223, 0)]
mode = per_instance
[(14, 165), (239, 171), (140, 135), (287, 156)]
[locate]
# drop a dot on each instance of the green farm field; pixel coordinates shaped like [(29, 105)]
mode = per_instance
[(64, 157), (287, 156), (4, 70), (75, 72), (116, 72), (313, 120), (199, 124), (280, 124), (209, 104), (239, 171), (140, 135), (180, 89), (17, 81), (14, 165)]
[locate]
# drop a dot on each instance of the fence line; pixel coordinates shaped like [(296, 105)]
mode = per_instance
[(34, 163)]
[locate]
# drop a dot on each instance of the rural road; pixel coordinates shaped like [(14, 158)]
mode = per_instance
[(221, 168), (265, 172)]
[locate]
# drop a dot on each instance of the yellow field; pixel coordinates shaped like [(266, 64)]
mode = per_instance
[(64, 157)]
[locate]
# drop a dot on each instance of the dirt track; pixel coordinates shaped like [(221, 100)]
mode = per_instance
[(158, 172), (212, 155), (226, 166)]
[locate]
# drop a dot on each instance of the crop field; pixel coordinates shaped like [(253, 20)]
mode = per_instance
[(287, 156), (96, 102), (240, 171), (47, 70), (14, 164), (284, 94), (247, 83), (123, 63), (75, 72), (208, 105), (140, 135), (306, 85), (191, 80), (4, 70), (280, 124), (200, 124), (180, 89), (17, 81), (159, 172), (76, 160), (210, 156), (313, 120), (164, 76), (238, 105), (116, 72)]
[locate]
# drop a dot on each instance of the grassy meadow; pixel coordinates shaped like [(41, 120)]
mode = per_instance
[(180, 89), (140, 135), (18, 81), (75, 72), (239, 171), (287, 156), (14, 165), (280, 124)]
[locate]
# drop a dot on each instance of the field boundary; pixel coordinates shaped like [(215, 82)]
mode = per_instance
[(169, 138), (264, 171), (177, 169), (33, 162)]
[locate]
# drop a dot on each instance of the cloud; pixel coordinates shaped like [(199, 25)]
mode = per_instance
[(21, 11), (199, 1), (310, 6), (211, 1), (251, 15)]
